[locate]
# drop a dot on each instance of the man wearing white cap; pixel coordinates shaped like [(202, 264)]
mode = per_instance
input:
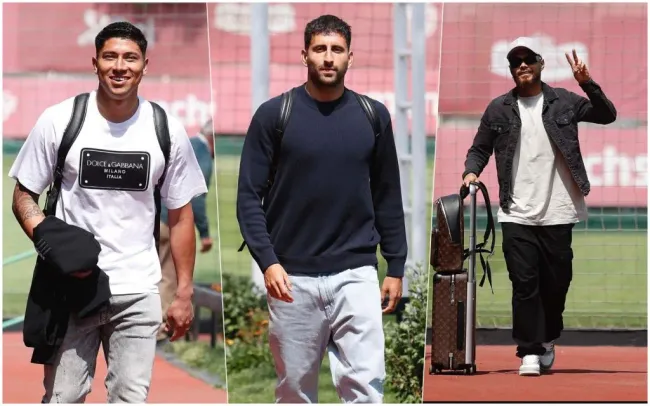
[(533, 131)]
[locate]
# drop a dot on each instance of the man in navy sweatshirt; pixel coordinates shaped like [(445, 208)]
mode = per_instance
[(335, 198)]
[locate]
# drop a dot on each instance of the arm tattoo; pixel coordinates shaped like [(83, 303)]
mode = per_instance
[(25, 204)]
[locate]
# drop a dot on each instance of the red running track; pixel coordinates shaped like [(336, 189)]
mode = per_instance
[(23, 381), (607, 374)]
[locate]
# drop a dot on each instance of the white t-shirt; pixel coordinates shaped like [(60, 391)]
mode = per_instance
[(544, 192), (108, 181)]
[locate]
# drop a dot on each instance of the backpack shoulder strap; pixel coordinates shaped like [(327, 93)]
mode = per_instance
[(490, 228), (162, 133), (69, 136), (286, 106), (370, 111), (280, 126), (285, 112), (489, 232), (164, 140)]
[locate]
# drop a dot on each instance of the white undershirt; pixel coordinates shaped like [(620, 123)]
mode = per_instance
[(544, 192)]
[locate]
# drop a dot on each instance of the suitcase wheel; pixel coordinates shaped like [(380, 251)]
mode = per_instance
[(470, 370)]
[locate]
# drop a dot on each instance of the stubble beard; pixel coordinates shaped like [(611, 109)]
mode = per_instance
[(315, 78)]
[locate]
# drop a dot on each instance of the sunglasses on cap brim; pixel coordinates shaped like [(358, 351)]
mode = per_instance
[(529, 59)]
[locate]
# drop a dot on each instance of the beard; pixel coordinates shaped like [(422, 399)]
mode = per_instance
[(534, 80), (326, 79)]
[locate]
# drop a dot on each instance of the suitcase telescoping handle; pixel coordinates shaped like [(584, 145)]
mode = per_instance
[(464, 192), (471, 282), (470, 319)]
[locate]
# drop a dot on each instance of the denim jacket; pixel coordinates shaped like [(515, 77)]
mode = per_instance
[(500, 129)]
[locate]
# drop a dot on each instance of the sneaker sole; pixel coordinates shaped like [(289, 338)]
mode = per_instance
[(529, 371)]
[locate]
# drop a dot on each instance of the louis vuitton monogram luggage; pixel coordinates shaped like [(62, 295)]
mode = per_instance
[(454, 287)]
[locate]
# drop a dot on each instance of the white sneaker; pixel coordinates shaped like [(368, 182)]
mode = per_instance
[(529, 366), (546, 360)]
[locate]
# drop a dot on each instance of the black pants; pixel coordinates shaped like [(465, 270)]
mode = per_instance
[(539, 262)]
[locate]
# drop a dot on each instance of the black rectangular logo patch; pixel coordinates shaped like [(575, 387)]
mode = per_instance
[(116, 170)]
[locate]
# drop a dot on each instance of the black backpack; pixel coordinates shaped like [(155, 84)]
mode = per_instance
[(447, 252), (69, 137), (283, 120)]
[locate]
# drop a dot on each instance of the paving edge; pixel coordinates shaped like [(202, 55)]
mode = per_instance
[(210, 379), (570, 337), (213, 380)]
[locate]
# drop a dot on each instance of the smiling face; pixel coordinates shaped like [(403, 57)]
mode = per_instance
[(120, 66), (327, 59), (525, 67)]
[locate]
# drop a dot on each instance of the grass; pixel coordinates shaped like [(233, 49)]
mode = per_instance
[(17, 276), (234, 262), (610, 268), (257, 385), (608, 290), (200, 356), (609, 287)]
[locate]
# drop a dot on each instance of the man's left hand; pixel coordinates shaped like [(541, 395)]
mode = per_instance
[(580, 71), (206, 244), (179, 317), (392, 287)]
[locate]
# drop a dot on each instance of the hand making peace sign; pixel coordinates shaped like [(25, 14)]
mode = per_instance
[(580, 71)]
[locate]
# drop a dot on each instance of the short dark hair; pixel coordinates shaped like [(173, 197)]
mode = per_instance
[(327, 24), (124, 30)]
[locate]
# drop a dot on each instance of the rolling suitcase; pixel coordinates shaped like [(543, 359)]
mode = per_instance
[(454, 316), (454, 287)]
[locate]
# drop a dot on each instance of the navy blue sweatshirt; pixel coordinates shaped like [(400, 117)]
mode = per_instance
[(336, 193)]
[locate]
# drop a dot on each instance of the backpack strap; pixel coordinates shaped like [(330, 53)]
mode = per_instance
[(72, 132), (369, 108), (489, 231), (162, 133), (280, 125), (69, 136), (370, 111), (283, 120)]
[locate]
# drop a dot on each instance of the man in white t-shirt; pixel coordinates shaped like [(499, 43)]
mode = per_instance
[(533, 131), (115, 202)]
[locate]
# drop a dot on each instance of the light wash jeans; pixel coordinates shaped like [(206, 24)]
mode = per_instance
[(338, 312), (127, 331)]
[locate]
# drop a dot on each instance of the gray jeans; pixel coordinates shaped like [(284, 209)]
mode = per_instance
[(127, 331), (340, 313)]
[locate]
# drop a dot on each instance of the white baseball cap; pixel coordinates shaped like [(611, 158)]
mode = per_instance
[(529, 43)]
